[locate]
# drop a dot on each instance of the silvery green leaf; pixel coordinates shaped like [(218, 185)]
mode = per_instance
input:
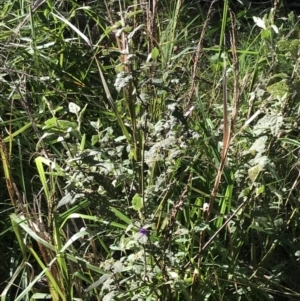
[(141, 238), (117, 267), (107, 284), (278, 222), (152, 156), (134, 31), (181, 231), (173, 275), (98, 282), (69, 199), (157, 80), (109, 296), (275, 28), (122, 80), (96, 125), (270, 123), (259, 145), (73, 108), (168, 143), (65, 200), (259, 22), (175, 154), (259, 160), (172, 106), (106, 167), (120, 138), (159, 126)]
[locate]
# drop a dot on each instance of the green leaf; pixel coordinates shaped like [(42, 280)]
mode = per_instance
[(280, 89), (95, 139), (266, 34), (121, 216), (253, 172), (154, 53), (60, 124), (16, 133), (260, 190), (137, 202)]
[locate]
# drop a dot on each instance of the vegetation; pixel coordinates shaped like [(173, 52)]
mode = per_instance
[(149, 150)]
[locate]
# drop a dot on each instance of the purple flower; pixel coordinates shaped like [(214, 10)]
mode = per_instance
[(143, 231)]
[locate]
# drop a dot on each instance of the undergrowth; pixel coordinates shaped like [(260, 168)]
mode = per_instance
[(150, 151)]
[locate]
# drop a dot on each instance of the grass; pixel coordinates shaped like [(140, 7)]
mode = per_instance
[(142, 165)]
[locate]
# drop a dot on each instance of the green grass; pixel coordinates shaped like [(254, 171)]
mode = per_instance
[(149, 153)]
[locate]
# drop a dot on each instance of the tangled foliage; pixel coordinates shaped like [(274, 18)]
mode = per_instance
[(142, 165)]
